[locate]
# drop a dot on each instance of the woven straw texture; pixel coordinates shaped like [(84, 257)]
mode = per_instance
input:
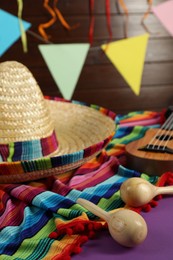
[(24, 115), (78, 127)]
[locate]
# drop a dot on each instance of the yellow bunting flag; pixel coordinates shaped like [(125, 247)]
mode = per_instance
[(128, 56)]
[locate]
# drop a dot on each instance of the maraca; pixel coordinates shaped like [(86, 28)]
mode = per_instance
[(126, 227), (136, 191)]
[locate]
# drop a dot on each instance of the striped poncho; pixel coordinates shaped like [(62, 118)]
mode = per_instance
[(41, 219)]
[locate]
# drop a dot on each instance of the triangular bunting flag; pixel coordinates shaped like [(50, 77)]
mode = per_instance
[(164, 13), (9, 30), (128, 57), (65, 62)]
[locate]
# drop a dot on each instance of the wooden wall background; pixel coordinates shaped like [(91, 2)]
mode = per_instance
[(99, 82)]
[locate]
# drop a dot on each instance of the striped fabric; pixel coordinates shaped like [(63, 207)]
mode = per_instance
[(28, 150), (41, 219)]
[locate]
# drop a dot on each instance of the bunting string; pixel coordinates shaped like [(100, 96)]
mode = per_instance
[(37, 36)]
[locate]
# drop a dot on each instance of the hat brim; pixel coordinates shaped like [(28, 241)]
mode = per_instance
[(82, 131)]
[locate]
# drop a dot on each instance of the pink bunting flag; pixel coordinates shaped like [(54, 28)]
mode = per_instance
[(164, 12)]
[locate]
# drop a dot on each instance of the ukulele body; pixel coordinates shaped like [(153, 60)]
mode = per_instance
[(151, 161)]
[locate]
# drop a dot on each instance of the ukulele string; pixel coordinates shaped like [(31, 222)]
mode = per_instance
[(169, 136), (167, 123), (165, 127), (154, 137), (166, 136)]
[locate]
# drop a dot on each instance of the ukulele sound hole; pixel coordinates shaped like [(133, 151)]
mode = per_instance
[(164, 137)]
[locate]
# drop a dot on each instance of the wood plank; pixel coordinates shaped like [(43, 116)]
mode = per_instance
[(123, 101), (75, 7), (109, 77)]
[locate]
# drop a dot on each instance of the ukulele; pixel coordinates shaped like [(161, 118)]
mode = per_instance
[(153, 153)]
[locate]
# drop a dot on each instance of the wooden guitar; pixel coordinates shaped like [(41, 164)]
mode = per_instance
[(153, 154)]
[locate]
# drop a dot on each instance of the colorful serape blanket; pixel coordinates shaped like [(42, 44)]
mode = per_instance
[(41, 219)]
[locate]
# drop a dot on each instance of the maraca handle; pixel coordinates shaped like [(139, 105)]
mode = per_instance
[(94, 209), (164, 190)]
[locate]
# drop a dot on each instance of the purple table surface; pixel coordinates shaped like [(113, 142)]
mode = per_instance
[(158, 244)]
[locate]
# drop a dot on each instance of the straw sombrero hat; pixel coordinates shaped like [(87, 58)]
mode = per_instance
[(42, 136)]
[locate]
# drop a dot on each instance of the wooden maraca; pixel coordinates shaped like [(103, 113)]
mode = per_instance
[(126, 227), (136, 191)]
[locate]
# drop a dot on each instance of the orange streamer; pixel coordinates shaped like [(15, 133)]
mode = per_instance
[(54, 12), (42, 27), (150, 2), (124, 7), (61, 18)]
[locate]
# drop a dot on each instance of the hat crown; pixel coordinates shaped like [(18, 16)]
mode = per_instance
[(24, 114)]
